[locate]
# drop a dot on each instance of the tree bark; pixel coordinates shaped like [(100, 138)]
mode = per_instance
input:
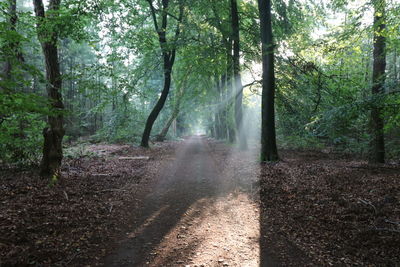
[(222, 109), (180, 92), (217, 115), (238, 87), (54, 133), (378, 81), (161, 136), (230, 128), (168, 59), (269, 151)]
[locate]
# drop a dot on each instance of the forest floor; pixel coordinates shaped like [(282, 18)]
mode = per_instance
[(201, 203)]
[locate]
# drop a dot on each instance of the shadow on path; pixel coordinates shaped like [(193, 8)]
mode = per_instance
[(193, 177)]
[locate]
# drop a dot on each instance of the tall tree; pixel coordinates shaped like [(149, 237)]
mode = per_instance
[(378, 81), (238, 87), (225, 87), (54, 133), (269, 151), (168, 53), (179, 95), (12, 45)]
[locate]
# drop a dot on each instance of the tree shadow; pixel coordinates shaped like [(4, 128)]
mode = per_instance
[(275, 248), (193, 177)]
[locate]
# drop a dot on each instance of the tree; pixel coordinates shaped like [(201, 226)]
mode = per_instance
[(225, 85), (238, 87), (168, 51), (378, 81), (12, 45), (54, 133), (269, 151), (179, 95)]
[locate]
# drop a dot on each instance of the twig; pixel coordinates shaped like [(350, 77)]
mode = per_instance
[(392, 222), (386, 230), (111, 208), (134, 158), (366, 202), (372, 167), (112, 190), (73, 257), (100, 174), (66, 263), (66, 195)]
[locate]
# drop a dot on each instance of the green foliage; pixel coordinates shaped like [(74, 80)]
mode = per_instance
[(299, 142), (112, 72), (78, 151), (21, 138)]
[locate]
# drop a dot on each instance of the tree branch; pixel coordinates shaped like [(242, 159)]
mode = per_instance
[(153, 14), (177, 31)]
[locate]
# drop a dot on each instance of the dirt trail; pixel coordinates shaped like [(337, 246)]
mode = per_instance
[(195, 216)]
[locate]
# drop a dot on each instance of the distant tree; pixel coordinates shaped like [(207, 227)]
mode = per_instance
[(54, 133), (12, 45), (378, 81), (223, 23), (269, 151), (238, 87), (168, 51)]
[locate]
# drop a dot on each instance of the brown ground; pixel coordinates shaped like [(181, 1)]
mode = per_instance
[(75, 221), (326, 209), (197, 203)]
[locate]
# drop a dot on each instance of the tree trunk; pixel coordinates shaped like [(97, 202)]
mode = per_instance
[(174, 115), (168, 58), (230, 129), (218, 112), (13, 48), (378, 81), (12, 9), (54, 133), (161, 136), (238, 87), (180, 125), (159, 105), (180, 92), (222, 109), (269, 151)]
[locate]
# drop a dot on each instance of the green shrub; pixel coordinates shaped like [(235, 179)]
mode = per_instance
[(21, 138)]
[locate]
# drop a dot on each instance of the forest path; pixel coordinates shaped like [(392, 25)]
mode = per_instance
[(194, 216)]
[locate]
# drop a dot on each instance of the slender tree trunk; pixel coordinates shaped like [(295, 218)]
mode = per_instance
[(222, 110), (180, 92), (378, 81), (159, 105), (13, 48), (238, 87), (174, 115), (164, 131), (217, 113), (54, 133), (12, 9), (168, 58), (394, 75), (230, 130), (180, 125), (14, 57), (269, 151)]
